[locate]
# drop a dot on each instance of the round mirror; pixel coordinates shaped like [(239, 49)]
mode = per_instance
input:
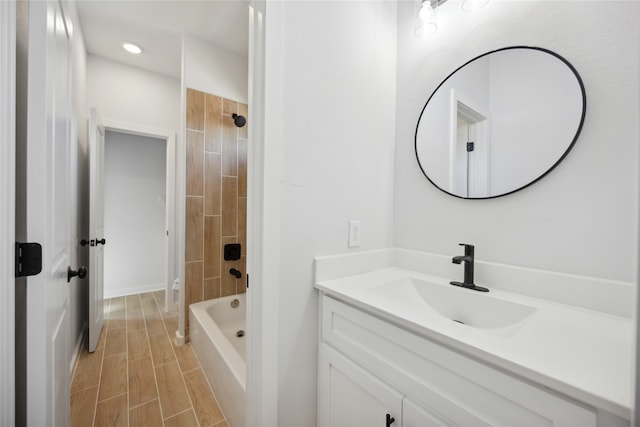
[(500, 122)]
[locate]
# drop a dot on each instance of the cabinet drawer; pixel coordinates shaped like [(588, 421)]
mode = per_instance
[(445, 382)]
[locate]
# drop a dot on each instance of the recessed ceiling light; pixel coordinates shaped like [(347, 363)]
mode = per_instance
[(132, 48)]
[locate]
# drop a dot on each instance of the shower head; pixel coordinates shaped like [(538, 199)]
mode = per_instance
[(239, 121)]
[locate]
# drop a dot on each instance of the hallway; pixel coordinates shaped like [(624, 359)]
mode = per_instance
[(137, 375)]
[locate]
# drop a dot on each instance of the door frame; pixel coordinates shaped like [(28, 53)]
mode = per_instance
[(7, 210), (170, 242), (263, 214)]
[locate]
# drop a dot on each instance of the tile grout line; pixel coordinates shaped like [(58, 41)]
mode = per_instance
[(182, 377), (153, 364), (104, 348), (182, 412), (204, 190), (126, 347)]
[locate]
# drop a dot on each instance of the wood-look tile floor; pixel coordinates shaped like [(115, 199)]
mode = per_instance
[(138, 376)]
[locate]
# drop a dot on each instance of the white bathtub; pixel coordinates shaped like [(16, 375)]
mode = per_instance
[(213, 326)]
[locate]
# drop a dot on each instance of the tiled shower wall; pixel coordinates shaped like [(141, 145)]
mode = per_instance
[(216, 197)]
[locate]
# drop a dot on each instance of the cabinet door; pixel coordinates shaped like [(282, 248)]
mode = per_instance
[(414, 415), (351, 397)]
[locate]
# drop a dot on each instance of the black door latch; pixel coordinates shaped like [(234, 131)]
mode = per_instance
[(28, 259)]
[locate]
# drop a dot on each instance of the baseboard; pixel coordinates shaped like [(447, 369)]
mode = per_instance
[(133, 291), (78, 347)]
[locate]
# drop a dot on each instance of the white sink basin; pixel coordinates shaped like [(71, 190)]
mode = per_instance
[(465, 306)]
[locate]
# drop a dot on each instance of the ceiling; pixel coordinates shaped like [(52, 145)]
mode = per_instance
[(157, 26)]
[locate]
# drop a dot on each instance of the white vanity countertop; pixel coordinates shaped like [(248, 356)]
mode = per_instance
[(582, 353)]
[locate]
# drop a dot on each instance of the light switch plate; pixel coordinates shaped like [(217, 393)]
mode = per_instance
[(354, 234)]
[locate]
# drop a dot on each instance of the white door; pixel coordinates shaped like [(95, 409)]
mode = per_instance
[(48, 214), (7, 210), (413, 415), (96, 228), (352, 397)]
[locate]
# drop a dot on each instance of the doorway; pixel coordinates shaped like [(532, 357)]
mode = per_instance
[(135, 213)]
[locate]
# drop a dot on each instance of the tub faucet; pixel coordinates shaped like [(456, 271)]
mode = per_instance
[(235, 273), (468, 259)]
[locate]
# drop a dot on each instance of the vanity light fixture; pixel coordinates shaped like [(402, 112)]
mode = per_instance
[(132, 48), (427, 17), (427, 11), (473, 5)]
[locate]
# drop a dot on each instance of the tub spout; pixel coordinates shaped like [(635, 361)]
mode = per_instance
[(236, 273)]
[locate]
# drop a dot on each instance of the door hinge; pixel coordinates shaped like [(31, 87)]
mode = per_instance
[(28, 259), (470, 147)]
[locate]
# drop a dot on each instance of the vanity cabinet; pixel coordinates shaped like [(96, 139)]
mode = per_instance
[(369, 367), (354, 397)]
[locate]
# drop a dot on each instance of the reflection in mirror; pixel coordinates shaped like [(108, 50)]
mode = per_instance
[(500, 122)]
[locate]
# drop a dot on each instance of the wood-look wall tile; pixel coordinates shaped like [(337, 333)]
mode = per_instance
[(195, 163), (243, 132), (142, 382), (193, 280), (227, 281), (204, 404), (183, 419), (147, 415), (229, 149), (229, 287), (242, 168), (161, 351), (195, 109), (83, 407), (229, 106), (242, 223), (212, 255), (212, 184), (229, 206), (173, 394), (194, 229), (113, 381), (211, 288), (113, 412), (241, 285), (213, 123)]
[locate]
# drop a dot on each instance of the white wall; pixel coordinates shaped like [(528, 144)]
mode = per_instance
[(330, 125), (134, 215), (126, 94), (523, 149), (131, 98), (212, 69), (581, 218)]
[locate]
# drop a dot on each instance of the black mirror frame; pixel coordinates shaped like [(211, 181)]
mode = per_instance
[(575, 138)]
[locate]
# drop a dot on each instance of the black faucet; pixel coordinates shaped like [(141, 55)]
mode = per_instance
[(468, 259), (235, 273)]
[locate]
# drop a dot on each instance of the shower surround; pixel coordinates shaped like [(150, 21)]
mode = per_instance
[(216, 197)]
